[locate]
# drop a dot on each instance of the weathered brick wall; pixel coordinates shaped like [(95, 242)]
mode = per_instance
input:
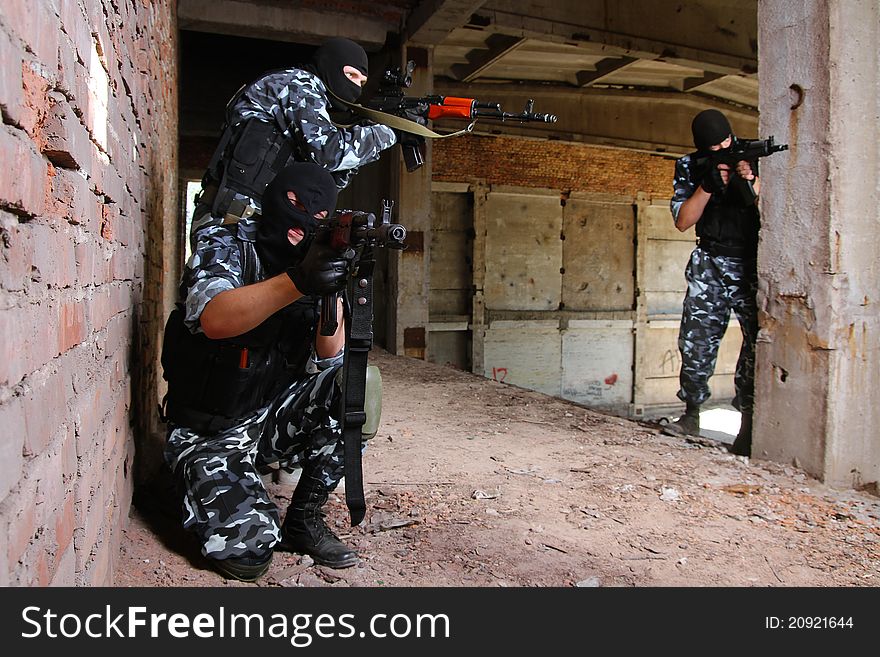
[(552, 165), (87, 193)]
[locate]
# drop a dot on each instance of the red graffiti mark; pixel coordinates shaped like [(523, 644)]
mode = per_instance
[(498, 374), (611, 380)]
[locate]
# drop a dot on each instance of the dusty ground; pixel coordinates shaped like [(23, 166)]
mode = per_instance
[(475, 483)]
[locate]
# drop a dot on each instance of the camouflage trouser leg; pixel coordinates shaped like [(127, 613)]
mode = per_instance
[(306, 430), (224, 501), (746, 308), (717, 285)]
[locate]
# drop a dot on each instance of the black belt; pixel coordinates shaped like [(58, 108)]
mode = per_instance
[(716, 249), (205, 423)]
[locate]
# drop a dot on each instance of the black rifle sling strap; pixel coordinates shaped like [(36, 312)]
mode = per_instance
[(358, 342)]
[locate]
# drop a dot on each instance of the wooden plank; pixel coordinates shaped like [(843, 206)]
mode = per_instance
[(664, 303), (450, 260), (662, 391), (451, 253), (450, 348), (479, 314), (598, 256), (660, 225), (451, 211), (523, 252), (661, 349), (597, 365), (665, 263), (641, 307), (449, 302), (664, 359), (525, 357)]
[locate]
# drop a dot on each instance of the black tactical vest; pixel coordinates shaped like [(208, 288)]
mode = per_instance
[(214, 384), (729, 222)]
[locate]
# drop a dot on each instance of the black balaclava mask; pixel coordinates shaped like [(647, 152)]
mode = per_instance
[(328, 62), (710, 127), (316, 190)]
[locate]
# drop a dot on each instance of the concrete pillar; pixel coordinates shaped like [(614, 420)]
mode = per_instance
[(407, 324), (818, 358)]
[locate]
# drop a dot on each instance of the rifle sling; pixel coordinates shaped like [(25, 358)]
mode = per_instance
[(397, 122), (359, 341)]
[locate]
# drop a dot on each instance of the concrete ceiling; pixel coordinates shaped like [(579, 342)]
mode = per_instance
[(608, 59)]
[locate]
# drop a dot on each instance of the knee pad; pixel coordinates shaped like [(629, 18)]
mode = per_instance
[(372, 401)]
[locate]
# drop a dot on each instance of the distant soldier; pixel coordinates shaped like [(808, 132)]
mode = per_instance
[(721, 275)]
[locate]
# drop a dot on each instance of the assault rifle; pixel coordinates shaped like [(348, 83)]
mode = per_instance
[(357, 234), (390, 99), (360, 232), (748, 150)]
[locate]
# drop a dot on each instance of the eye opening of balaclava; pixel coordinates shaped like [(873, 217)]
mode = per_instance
[(329, 60), (710, 127), (316, 190)]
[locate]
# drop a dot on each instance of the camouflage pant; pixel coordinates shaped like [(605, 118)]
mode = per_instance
[(717, 285), (224, 502)]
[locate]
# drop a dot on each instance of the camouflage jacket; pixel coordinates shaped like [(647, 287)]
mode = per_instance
[(296, 101), (727, 219), (683, 185)]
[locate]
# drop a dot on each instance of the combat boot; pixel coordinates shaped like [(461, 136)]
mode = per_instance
[(305, 531), (246, 569), (742, 446), (687, 425)]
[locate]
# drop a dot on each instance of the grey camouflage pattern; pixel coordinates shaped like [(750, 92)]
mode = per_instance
[(683, 186), (214, 266), (225, 503), (717, 285), (296, 102)]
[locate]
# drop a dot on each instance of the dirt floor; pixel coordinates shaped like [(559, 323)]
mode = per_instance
[(476, 483)]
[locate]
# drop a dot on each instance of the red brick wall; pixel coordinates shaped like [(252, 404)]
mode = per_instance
[(87, 142), (552, 165)]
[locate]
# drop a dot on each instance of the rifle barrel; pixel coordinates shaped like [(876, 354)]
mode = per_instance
[(523, 117)]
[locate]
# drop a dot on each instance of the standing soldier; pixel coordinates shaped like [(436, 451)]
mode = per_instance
[(721, 275)]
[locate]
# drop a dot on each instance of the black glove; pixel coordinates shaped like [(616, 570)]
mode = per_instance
[(713, 182), (323, 270), (417, 113)]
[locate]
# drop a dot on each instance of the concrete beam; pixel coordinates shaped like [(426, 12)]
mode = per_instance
[(432, 20), (603, 69), (479, 60), (642, 120), (712, 35), (280, 22), (693, 84)]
